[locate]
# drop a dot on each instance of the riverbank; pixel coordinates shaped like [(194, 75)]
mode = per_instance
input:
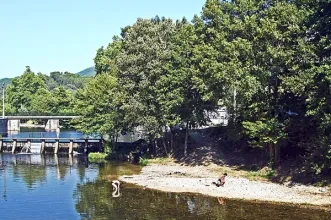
[(198, 179)]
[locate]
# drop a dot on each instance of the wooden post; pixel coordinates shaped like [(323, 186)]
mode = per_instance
[(71, 146), (14, 146), (1, 149), (56, 149), (42, 149), (85, 147)]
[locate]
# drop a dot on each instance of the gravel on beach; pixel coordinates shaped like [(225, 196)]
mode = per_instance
[(198, 179)]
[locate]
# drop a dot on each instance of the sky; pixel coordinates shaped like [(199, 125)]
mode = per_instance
[(64, 35)]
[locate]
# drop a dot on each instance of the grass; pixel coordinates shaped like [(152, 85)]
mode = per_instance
[(97, 156), (162, 160), (143, 161), (264, 173)]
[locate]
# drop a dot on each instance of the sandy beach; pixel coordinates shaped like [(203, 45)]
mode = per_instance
[(198, 179)]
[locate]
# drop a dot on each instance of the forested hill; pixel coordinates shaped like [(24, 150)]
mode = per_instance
[(5, 81), (87, 72), (68, 80)]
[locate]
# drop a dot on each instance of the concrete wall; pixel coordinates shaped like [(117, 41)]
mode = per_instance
[(52, 124), (14, 125)]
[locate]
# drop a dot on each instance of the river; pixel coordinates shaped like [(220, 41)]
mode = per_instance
[(69, 187)]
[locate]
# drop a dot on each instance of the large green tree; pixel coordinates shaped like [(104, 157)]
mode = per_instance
[(146, 50), (19, 93), (255, 46), (97, 103)]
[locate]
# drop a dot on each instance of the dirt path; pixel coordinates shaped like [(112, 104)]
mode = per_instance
[(198, 179)]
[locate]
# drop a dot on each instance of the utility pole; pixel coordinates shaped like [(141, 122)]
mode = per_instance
[(3, 100), (234, 104)]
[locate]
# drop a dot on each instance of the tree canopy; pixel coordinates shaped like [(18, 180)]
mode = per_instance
[(266, 61)]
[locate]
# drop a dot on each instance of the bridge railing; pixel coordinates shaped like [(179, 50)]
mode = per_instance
[(40, 113)]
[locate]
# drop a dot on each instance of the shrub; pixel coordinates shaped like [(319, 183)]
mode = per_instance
[(94, 156), (143, 161)]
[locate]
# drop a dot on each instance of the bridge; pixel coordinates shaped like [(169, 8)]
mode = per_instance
[(12, 123), (39, 145)]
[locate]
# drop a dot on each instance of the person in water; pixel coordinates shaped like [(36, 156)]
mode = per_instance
[(221, 180), (116, 188)]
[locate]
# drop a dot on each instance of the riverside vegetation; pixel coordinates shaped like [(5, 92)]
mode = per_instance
[(267, 61)]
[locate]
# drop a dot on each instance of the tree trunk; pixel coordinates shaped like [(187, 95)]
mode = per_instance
[(277, 154), (156, 147), (152, 145), (171, 141), (115, 144), (186, 139), (165, 146), (271, 154)]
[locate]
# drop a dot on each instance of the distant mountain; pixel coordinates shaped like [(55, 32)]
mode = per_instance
[(87, 72), (5, 81), (84, 73)]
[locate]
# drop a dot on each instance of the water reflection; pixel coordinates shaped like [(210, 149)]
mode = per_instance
[(146, 204), (69, 187), (94, 200)]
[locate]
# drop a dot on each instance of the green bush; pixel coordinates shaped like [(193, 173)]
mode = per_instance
[(94, 156), (143, 161), (266, 173)]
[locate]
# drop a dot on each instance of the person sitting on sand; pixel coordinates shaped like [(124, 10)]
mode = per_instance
[(221, 201), (221, 180)]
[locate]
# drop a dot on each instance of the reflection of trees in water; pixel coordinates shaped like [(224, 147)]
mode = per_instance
[(114, 170), (81, 172), (94, 201), (30, 174), (61, 171), (32, 169)]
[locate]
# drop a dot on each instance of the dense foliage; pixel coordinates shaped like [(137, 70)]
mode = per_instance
[(267, 61), (5, 81), (31, 94)]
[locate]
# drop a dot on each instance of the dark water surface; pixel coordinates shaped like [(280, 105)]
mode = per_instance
[(63, 187)]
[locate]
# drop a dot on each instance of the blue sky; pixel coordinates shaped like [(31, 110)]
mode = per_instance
[(63, 35)]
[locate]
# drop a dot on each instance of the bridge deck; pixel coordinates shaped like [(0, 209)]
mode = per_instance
[(41, 117), (5, 139)]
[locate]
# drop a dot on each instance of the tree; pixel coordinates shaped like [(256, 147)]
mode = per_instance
[(20, 91), (97, 104), (313, 86), (105, 59), (261, 44), (146, 49), (42, 102), (62, 101), (182, 92)]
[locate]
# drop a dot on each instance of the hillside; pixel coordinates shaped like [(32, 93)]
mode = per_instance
[(87, 72), (5, 81), (84, 73)]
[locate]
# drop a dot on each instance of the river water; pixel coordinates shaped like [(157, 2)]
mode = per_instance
[(69, 187)]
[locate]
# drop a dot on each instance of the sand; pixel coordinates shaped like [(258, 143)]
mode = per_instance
[(198, 179)]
